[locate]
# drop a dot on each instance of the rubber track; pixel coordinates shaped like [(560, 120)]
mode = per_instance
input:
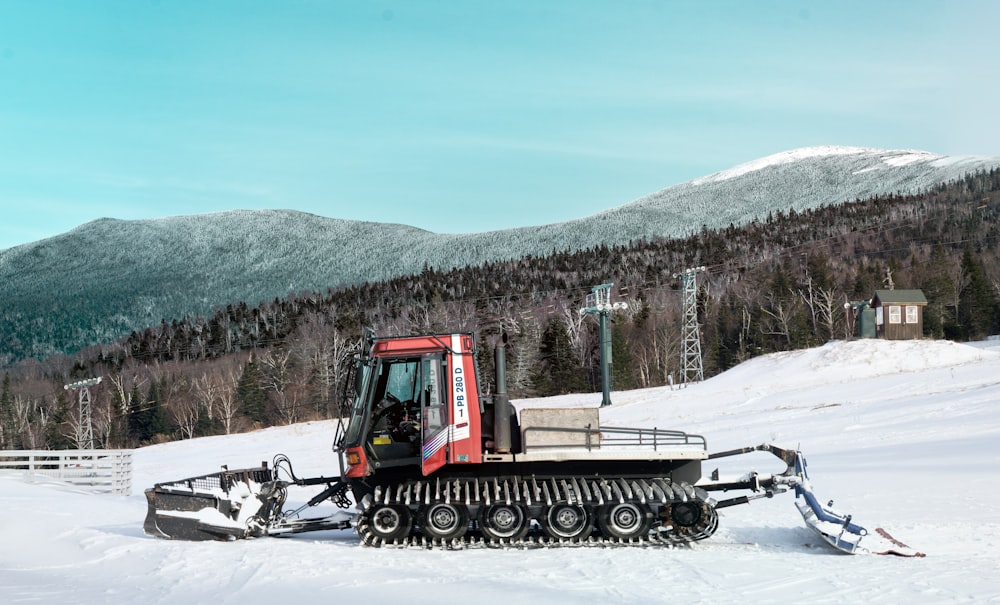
[(658, 493)]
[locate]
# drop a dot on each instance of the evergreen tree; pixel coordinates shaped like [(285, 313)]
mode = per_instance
[(935, 286), (56, 430), (818, 269), (6, 414), (977, 305), (156, 415), (622, 377), (560, 371), (118, 436), (146, 416), (250, 392), (206, 426), (138, 430), (729, 345)]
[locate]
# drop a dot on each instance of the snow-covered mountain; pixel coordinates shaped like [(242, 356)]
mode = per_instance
[(799, 179), (139, 272), (902, 434)]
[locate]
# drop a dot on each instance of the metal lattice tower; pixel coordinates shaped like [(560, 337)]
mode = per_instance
[(692, 369), (85, 430)]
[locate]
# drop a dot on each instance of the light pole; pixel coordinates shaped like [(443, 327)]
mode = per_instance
[(599, 303)]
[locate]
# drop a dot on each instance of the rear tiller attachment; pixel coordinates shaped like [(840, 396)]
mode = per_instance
[(235, 504)]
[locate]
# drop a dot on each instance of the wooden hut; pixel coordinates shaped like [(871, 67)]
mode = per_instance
[(899, 314)]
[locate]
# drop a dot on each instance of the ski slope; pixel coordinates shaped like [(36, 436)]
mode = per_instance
[(903, 435)]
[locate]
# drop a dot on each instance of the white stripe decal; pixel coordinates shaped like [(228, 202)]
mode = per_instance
[(436, 443)]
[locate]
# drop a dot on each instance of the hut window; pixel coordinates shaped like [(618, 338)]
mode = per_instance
[(911, 314), (895, 314)]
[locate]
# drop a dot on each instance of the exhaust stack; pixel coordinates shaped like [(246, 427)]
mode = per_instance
[(501, 402)]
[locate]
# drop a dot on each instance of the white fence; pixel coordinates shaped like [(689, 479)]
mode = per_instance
[(99, 471)]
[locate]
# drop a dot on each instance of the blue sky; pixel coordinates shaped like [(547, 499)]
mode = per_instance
[(459, 116)]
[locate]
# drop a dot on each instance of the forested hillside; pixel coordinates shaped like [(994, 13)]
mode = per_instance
[(778, 283), (108, 277)]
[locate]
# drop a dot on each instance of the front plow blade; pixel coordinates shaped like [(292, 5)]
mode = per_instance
[(227, 505), (835, 529), (838, 530)]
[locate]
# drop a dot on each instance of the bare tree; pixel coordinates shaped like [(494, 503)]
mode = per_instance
[(186, 414), (582, 339), (32, 434), (524, 352), (172, 399), (279, 380), (819, 302), (104, 419), (317, 349), (828, 308), (229, 403), (123, 385), (205, 390), (290, 402), (778, 321), (74, 431), (959, 281)]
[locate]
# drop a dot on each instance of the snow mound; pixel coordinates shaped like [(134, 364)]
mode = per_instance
[(840, 361)]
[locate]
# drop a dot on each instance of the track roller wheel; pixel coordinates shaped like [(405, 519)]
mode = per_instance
[(503, 522), (389, 522), (567, 521), (625, 520), (445, 521), (686, 514)]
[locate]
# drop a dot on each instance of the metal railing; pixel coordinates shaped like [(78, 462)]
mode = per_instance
[(614, 437), (654, 438), (98, 471)]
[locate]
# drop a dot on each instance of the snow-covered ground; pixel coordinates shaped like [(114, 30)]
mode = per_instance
[(904, 435)]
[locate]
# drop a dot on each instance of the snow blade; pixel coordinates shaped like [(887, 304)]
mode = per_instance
[(227, 505), (838, 530)]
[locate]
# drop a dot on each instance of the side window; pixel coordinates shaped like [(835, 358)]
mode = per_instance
[(895, 314), (435, 408), (911, 314), (362, 380)]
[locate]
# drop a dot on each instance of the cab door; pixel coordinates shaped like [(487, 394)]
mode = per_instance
[(435, 422)]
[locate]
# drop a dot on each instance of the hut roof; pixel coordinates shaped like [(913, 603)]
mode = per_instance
[(911, 297)]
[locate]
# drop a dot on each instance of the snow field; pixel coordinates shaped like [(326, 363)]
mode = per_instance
[(903, 435)]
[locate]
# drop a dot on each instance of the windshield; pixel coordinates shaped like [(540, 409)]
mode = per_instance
[(403, 381), (397, 380)]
